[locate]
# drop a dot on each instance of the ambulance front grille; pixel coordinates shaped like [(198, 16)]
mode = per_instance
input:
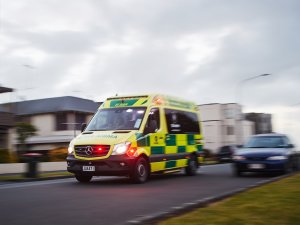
[(90, 151)]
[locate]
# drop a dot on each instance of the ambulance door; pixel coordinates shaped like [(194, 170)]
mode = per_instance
[(156, 137), (152, 128)]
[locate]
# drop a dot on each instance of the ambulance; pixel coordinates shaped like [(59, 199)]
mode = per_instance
[(136, 136)]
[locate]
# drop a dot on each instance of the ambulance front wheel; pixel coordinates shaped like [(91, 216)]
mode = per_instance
[(192, 167), (83, 178), (141, 170)]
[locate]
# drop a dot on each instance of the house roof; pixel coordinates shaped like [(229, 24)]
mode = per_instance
[(57, 104)]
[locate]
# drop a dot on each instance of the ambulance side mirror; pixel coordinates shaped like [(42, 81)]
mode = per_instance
[(83, 126)]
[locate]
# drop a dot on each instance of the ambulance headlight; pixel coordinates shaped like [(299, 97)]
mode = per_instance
[(121, 148), (71, 148)]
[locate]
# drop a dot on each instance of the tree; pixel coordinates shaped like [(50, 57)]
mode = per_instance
[(24, 131)]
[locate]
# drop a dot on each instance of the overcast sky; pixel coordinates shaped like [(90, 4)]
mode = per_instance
[(196, 49)]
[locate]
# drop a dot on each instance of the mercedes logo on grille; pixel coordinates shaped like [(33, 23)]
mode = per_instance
[(89, 150)]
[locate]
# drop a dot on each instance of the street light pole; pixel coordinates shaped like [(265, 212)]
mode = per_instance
[(242, 82), (239, 99)]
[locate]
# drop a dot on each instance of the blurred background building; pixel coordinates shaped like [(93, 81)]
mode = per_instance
[(57, 120), (262, 122), (223, 125), (6, 123)]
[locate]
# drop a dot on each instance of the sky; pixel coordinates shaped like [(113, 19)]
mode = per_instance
[(199, 50)]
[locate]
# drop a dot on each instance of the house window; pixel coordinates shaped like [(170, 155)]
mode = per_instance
[(61, 121), (230, 130), (3, 138), (80, 118), (23, 119), (230, 113)]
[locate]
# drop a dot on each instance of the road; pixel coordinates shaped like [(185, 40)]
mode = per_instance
[(111, 200)]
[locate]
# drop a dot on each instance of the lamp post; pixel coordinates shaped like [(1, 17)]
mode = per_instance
[(239, 100), (242, 82)]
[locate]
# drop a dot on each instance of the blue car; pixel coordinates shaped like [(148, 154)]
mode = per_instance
[(266, 153)]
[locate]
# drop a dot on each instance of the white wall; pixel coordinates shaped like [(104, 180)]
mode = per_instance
[(216, 118), (44, 123), (212, 135), (11, 137), (248, 130), (88, 118), (211, 112), (13, 168)]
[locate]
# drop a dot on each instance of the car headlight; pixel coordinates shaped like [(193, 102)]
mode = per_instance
[(277, 157), (120, 149), (71, 148), (238, 157)]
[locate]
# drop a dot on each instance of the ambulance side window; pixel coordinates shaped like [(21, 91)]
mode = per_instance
[(172, 116), (190, 123), (153, 122), (182, 122)]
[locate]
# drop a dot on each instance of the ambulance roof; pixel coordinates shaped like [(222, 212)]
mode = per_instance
[(147, 100)]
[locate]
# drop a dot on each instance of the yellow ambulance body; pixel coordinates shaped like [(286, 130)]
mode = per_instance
[(138, 135)]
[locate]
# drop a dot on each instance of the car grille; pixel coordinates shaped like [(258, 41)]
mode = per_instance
[(90, 151), (256, 158)]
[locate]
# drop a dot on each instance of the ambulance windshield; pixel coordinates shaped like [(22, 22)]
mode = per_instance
[(117, 119)]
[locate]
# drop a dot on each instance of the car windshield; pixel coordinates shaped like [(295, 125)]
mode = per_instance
[(117, 119), (265, 142)]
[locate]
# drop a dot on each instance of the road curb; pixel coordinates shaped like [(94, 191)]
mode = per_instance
[(201, 203), (36, 179)]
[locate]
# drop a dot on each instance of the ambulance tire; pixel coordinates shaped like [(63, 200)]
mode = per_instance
[(140, 171), (83, 178), (192, 167)]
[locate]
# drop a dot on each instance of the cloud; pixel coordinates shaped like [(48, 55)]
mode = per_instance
[(199, 50)]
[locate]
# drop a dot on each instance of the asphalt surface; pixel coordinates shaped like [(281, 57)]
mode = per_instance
[(112, 200)]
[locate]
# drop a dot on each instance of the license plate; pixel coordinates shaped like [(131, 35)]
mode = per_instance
[(256, 166), (88, 168)]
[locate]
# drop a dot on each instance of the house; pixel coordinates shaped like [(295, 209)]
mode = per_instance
[(57, 120), (223, 125), (6, 123)]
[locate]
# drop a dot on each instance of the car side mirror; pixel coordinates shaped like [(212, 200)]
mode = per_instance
[(291, 146), (83, 126)]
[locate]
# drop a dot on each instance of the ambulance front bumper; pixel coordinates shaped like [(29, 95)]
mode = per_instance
[(118, 165)]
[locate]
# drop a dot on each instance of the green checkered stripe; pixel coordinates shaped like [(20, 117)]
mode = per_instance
[(182, 142)]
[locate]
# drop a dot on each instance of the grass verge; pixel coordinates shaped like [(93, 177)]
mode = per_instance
[(21, 177), (276, 203)]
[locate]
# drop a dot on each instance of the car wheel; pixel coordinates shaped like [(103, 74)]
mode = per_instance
[(296, 163), (141, 171), (288, 167), (237, 172), (192, 167), (83, 178)]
